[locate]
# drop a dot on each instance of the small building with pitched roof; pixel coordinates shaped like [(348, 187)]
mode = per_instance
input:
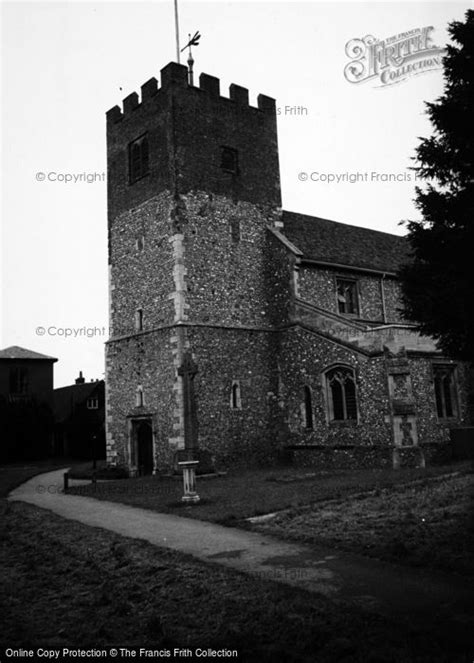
[(25, 375), (26, 400), (79, 419)]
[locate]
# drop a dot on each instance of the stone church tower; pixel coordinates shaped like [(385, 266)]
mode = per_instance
[(245, 329), (193, 185)]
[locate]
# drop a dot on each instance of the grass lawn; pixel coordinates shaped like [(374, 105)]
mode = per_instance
[(63, 584), (409, 516), (428, 525), (241, 495)]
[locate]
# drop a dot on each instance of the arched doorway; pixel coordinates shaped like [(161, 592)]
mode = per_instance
[(144, 438)]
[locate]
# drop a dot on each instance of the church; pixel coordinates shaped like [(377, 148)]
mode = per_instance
[(242, 332)]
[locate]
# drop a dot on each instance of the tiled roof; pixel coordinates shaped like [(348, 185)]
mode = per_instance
[(15, 352), (339, 243)]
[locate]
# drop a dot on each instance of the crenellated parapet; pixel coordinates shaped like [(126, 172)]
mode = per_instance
[(176, 76)]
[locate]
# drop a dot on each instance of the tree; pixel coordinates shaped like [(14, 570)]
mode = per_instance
[(438, 285)]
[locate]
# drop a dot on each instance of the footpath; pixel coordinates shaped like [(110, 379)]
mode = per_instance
[(368, 583)]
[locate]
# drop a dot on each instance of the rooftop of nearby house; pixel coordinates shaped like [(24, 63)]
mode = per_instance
[(339, 243), (16, 352), (66, 398)]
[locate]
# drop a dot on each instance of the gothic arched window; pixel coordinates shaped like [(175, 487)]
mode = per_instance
[(445, 391), (341, 393)]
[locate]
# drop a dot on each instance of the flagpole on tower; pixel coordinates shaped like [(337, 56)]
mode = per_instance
[(176, 23)]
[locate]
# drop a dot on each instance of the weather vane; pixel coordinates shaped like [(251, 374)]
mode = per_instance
[(193, 41)]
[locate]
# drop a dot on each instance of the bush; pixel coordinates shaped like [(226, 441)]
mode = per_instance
[(111, 473)]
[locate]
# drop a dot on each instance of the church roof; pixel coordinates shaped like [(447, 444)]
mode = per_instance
[(15, 352), (338, 243)]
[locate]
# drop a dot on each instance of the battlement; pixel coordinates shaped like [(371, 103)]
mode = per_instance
[(176, 76)]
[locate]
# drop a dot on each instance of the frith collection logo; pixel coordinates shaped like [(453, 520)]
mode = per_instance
[(392, 60)]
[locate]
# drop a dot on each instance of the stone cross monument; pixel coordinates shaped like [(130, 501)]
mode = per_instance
[(187, 371)]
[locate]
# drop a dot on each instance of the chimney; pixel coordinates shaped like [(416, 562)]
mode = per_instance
[(80, 379)]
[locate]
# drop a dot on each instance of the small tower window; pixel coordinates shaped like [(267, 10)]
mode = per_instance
[(235, 230), (229, 160), (235, 396), (307, 409), (139, 397), (138, 165), (139, 319), (92, 403)]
